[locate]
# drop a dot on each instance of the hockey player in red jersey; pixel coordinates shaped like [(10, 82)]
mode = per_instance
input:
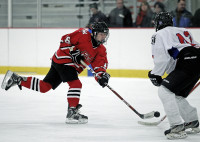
[(66, 65), (175, 52)]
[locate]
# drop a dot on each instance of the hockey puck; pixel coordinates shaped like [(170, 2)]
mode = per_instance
[(156, 114)]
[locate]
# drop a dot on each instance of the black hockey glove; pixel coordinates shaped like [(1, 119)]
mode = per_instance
[(103, 80), (155, 79), (76, 56)]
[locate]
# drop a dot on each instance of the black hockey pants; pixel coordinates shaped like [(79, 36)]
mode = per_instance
[(186, 73)]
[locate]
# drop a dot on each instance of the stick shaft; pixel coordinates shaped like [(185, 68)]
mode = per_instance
[(195, 87), (140, 115)]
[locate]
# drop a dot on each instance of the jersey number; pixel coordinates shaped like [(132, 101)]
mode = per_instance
[(182, 39), (67, 40)]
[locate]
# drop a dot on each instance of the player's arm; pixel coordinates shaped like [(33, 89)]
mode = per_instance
[(100, 65), (161, 59)]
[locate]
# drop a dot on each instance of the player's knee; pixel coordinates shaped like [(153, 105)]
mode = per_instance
[(75, 84), (162, 91), (179, 98), (165, 94)]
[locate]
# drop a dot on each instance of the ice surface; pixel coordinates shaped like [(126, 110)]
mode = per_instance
[(28, 116)]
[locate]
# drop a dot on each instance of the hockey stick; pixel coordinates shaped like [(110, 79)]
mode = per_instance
[(163, 118), (152, 123), (195, 87), (143, 116)]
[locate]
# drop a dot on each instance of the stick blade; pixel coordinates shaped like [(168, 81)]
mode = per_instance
[(152, 123), (149, 115), (148, 123)]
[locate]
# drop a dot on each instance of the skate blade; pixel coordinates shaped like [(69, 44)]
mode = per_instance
[(180, 135), (193, 131), (6, 78), (72, 121)]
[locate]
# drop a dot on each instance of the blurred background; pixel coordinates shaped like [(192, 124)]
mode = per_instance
[(30, 31), (70, 13)]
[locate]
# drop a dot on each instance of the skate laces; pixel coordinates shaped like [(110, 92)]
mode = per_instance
[(77, 112), (73, 111)]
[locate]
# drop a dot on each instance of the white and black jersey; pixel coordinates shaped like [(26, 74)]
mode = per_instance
[(166, 45)]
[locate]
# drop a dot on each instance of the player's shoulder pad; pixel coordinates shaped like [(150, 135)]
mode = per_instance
[(164, 30), (84, 31), (84, 34)]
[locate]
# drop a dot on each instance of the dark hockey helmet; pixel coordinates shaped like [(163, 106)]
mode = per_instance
[(162, 20), (100, 27)]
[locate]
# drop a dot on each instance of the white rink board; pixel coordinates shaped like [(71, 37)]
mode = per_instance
[(126, 48)]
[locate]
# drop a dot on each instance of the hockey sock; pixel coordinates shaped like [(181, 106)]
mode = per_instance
[(74, 92), (36, 84)]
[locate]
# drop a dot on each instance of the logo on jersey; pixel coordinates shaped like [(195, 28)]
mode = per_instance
[(189, 58), (84, 31), (153, 39), (87, 56), (165, 80)]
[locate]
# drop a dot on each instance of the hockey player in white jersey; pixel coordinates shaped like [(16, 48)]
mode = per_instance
[(175, 52)]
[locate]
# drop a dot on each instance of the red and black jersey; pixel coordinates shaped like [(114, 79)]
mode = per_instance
[(81, 40)]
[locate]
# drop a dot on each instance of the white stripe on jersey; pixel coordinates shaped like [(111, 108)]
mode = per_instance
[(72, 64), (97, 74), (62, 57), (64, 48), (69, 64), (99, 67)]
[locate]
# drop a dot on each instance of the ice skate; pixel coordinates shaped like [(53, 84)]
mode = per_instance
[(74, 117), (176, 132), (11, 79), (192, 127)]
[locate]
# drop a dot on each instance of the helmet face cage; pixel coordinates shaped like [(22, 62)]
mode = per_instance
[(100, 27), (162, 20)]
